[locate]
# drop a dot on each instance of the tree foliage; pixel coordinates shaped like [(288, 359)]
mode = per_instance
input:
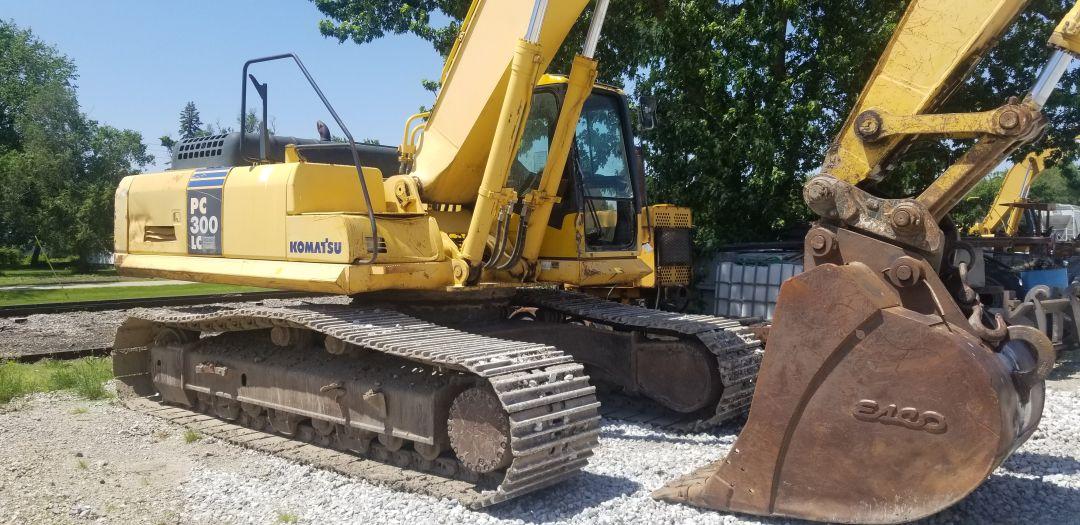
[(59, 169), (191, 125), (752, 92)]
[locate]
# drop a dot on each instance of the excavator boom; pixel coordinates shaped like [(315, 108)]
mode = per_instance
[(461, 128)]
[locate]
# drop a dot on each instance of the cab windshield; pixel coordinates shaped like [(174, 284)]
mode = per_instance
[(600, 167), (535, 143)]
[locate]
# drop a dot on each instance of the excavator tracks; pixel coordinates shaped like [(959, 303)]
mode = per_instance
[(737, 350), (551, 412)]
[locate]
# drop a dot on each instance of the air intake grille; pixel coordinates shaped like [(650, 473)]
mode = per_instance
[(200, 147), (673, 247), (673, 276), (671, 217)]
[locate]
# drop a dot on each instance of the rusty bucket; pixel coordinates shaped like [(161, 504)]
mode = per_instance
[(876, 401)]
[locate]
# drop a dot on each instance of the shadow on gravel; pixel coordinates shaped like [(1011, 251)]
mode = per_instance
[(1037, 464), (1068, 366), (663, 437), (566, 499), (1011, 499)]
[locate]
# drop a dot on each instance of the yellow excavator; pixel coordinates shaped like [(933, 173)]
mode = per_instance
[(884, 395), (519, 190), (1003, 217)]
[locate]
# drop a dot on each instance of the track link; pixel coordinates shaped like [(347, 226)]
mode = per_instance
[(552, 409), (737, 350)]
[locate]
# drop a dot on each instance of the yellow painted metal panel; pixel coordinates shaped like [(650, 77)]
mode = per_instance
[(595, 272), (156, 204), (564, 242), (253, 211), (338, 238), (120, 215), (291, 275), (323, 188)]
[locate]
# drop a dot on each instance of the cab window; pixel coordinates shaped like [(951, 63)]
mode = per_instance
[(535, 142)]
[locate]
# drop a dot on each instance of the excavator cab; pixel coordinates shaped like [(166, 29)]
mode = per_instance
[(599, 200)]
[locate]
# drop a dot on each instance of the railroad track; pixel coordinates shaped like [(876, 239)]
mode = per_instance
[(123, 304), (151, 302)]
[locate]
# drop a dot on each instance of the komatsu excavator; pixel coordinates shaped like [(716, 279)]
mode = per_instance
[(884, 395), (515, 192)]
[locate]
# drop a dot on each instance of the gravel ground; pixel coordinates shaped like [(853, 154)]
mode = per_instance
[(43, 333), (69, 461)]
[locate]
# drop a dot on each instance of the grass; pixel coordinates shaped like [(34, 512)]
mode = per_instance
[(30, 276), (190, 436), (85, 377), (287, 517), (20, 297)]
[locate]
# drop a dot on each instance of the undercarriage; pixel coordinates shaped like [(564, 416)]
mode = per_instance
[(451, 385)]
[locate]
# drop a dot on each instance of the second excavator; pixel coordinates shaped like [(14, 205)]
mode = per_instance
[(884, 395)]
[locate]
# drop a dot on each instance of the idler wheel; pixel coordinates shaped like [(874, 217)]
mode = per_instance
[(479, 431)]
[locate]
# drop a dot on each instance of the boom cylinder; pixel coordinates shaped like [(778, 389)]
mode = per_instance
[(515, 107), (593, 37), (578, 88)]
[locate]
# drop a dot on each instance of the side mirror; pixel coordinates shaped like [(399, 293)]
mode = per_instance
[(647, 112)]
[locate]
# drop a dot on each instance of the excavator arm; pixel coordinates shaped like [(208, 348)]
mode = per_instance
[(935, 45), (1014, 188), (885, 393)]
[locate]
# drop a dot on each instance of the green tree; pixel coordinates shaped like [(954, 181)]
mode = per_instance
[(191, 125), (58, 168), (975, 206), (751, 93)]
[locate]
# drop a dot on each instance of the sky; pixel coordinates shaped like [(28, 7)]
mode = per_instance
[(140, 61)]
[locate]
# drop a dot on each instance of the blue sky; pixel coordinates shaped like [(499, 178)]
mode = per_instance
[(139, 62)]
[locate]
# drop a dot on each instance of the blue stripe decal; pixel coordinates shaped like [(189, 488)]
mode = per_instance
[(209, 174), (216, 183)]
